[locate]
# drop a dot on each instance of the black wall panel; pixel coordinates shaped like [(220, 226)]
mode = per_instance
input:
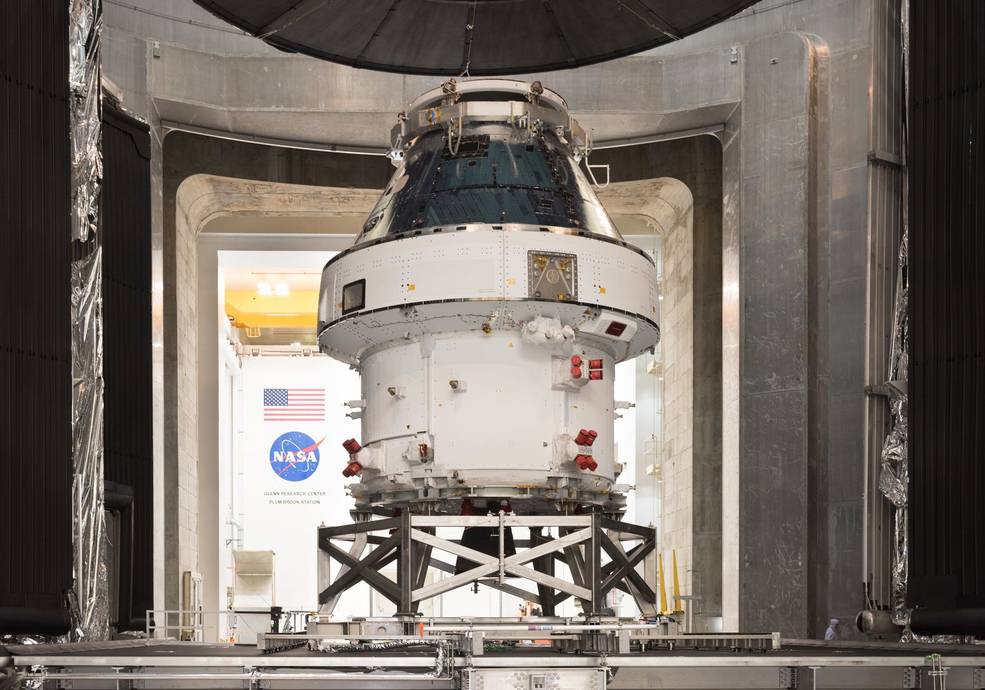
[(35, 336), (947, 303), (128, 432)]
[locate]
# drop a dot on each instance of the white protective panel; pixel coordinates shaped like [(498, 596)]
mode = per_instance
[(403, 412), (499, 424), (280, 512), (506, 419), (486, 264)]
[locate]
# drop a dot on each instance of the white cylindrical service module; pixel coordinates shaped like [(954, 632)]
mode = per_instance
[(485, 304)]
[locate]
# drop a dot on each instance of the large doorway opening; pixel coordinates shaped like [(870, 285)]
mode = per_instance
[(248, 241)]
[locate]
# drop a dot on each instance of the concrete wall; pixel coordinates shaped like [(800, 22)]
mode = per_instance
[(677, 315), (792, 105)]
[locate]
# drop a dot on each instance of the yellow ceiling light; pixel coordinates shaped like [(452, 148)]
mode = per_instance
[(294, 309)]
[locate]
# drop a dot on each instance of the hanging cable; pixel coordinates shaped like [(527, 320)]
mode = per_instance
[(467, 50), (453, 148)]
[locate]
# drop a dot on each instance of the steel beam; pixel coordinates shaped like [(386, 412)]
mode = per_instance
[(626, 563), (490, 564), (627, 528), (489, 582), (626, 569), (355, 551), (358, 527), (508, 521), (365, 570), (724, 660), (593, 567), (406, 573), (545, 565), (518, 592), (607, 570)]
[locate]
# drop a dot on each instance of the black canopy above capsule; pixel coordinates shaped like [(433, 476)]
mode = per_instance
[(477, 37)]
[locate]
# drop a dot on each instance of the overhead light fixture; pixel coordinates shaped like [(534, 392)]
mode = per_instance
[(282, 290), (264, 289)]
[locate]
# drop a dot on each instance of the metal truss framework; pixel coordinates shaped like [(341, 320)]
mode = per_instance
[(412, 539)]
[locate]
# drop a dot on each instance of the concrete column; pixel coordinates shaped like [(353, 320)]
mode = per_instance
[(731, 380), (778, 230), (181, 439)]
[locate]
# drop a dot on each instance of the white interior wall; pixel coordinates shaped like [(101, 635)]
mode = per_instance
[(676, 380), (645, 501), (282, 511), (664, 393)]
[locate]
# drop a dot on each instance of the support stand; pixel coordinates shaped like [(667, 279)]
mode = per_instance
[(411, 541)]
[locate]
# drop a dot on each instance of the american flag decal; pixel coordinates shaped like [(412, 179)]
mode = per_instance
[(294, 404)]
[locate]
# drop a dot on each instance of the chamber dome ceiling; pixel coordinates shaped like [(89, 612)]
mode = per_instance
[(473, 37)]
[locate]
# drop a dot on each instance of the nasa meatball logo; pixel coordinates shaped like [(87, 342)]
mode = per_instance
[(294, 456)]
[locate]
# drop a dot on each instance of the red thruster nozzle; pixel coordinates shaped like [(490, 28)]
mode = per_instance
[(352, 469), (352, 446), (586, 462), (586, 437)]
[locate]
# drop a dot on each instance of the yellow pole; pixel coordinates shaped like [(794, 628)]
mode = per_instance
[(677, 584), (663, 586)]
